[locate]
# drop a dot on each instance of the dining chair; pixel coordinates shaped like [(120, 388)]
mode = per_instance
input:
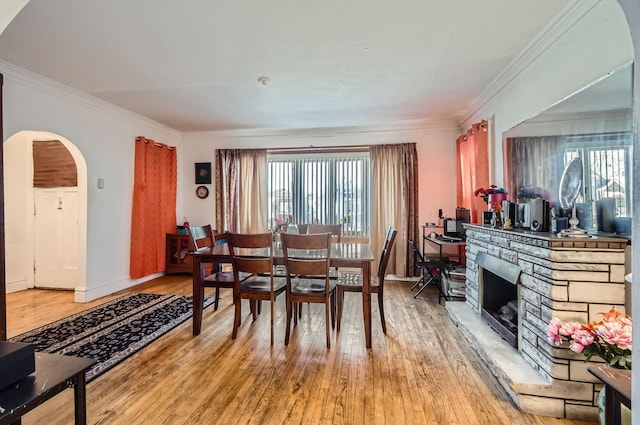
[(334, 229), (307, 259), (350, 282), (215, 277), (253, 254)]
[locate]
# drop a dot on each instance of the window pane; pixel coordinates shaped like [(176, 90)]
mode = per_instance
[(327, 189)]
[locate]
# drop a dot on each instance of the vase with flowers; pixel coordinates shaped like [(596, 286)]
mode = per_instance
[(610, 339), (492, 196)]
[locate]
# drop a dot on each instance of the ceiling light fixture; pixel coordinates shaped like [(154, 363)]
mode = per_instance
[(265, 81)]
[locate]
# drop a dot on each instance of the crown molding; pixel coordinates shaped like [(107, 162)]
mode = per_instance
[(53, 88), (567, 18), (322, 132)]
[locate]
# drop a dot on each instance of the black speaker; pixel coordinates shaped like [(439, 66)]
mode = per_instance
[(539, 215), (509, 209)]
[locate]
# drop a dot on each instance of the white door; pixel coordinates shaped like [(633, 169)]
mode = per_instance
[(56, 237)]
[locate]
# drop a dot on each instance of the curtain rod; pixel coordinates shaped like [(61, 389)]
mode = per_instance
[(156, 144), (314, 149)]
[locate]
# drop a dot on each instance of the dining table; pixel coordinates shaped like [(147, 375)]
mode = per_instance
[(343, 254)]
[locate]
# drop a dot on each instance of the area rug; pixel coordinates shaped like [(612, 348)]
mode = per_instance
[(113, 331)]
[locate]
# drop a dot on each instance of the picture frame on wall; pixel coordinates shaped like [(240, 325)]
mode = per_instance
[(203, 173)]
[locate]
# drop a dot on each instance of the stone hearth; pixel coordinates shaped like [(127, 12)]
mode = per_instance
[(572, 279)]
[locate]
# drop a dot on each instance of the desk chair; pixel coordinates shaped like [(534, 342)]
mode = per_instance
[(253, 254), (307, 259), (426, 266), (349, 282)]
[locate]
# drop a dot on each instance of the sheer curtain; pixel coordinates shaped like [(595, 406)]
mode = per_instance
[(154, 206), (394, 191), (473, 169), (533, 161), (241, 190), (253, 191)]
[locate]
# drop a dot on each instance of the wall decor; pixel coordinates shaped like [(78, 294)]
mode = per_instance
[(202, 192), (203, 173)]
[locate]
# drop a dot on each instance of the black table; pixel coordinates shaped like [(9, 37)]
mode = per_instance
[(54, 373), (617, 391)]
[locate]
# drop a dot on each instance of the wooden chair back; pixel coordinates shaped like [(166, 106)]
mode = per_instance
[(386, 253), (334, 229), (201, 236), (251, 253), (307, 255)]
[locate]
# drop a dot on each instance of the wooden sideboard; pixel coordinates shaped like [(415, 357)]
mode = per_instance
[(178, 259)]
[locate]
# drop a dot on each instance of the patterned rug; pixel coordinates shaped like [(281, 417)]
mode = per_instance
[(113, 331)]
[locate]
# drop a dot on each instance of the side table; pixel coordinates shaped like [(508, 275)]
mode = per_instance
[(54, 373)]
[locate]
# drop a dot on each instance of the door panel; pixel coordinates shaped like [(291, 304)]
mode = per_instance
[(56, 237)]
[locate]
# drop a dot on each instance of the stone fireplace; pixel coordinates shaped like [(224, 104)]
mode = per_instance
[(568, 278)]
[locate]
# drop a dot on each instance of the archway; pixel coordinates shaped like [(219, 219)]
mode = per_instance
[(21, 236)]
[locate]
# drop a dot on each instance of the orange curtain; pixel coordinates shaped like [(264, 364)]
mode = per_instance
[(473, 168), (154, 206)]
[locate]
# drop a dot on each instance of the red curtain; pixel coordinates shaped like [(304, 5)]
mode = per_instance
[(154, 206), (473, 169)]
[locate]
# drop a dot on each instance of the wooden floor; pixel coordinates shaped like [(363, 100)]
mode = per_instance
[(421, 372)]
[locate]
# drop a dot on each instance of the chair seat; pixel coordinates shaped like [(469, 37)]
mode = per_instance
[(258, 284), (352, 282), (225, 278), (305, 286)]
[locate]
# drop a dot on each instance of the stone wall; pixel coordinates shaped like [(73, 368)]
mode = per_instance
[(572, 279)]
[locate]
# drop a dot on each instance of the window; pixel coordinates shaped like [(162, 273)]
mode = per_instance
[(607, 168), (329, 188)]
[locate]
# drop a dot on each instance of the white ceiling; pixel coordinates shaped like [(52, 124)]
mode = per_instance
[(194, 64)]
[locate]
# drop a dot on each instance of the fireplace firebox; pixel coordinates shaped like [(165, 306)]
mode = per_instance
[(499, 295)]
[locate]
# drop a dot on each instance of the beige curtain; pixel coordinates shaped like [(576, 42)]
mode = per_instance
[(533, 161), (394, 190), (241, 190), (253, 191)]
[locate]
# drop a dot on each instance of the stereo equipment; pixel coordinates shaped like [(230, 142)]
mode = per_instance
[(509, 210), (523, 216), (539, 215)]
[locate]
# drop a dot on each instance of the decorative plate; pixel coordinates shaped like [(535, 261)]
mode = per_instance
[(202, 192)]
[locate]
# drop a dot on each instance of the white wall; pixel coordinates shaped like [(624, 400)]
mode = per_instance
[(435, 144), (105, 137), (591, 42)]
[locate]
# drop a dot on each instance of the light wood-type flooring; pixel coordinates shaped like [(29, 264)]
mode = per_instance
[(420, 372)]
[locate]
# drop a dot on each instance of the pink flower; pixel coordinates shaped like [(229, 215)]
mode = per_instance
[(569, 328), (581, 339), (615, 333), (552, 331)]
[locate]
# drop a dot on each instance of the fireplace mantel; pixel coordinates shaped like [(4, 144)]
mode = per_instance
[(569, 278)]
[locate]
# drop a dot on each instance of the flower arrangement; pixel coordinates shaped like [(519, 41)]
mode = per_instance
[(527, 193), (484, 193), (609, 339)]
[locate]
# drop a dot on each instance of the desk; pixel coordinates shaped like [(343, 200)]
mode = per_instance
[(442, 243), (342, 255), (617, 391), (54, 373)]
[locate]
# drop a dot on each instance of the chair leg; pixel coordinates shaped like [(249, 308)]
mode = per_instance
[(425, 286), (237, 318), (340, 300), (381, 308), (327, 308), (272, 320), (296, 306), (332, 300), (215, 303), (422, 280), (288, 329), (252, 306)]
